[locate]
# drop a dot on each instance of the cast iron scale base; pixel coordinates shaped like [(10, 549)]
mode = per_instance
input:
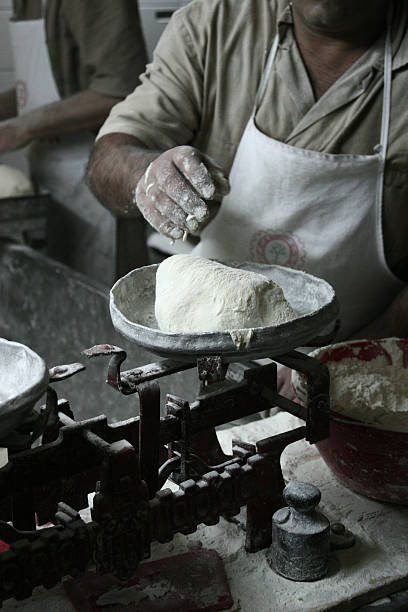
[(128, 463)]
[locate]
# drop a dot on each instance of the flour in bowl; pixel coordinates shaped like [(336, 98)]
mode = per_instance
[(375, 391)]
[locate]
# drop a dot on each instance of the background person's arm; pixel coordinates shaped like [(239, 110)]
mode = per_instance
[(86, 110), (99, 66), (8, 104)]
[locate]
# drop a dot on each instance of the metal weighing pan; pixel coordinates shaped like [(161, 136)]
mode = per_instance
[(132, 310), (23, 380)]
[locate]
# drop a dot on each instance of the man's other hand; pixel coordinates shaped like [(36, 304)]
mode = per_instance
[(284, 383), (13, 135), (178, 191)]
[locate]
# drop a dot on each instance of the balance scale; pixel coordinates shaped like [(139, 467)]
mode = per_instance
[(54, 462)]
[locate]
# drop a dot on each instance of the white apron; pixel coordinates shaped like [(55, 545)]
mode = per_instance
[(318, 212), (81, 231)]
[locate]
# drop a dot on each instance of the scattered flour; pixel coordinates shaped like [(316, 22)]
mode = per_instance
[(194, 294), (135, 594), (14, 183), (377, 561), (375, 391), (242, 337)]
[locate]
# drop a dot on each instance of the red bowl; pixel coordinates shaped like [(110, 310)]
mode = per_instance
[(367, 459)]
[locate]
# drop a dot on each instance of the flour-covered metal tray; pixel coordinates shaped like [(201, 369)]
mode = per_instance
[(23, 219), (132, 301), (23, 380)]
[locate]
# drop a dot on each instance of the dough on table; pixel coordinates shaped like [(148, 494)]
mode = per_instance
[(194, 294), (14, 183)]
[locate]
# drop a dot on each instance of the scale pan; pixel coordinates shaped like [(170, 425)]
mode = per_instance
[(23, 380), (132, 301)]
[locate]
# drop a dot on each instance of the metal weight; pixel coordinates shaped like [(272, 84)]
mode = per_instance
[(300, 535)]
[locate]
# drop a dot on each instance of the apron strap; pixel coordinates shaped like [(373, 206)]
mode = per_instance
[(266, 73), (381, 148), (386, 107)]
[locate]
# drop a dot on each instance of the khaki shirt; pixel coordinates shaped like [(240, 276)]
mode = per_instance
[(200, 90), (95, 44)]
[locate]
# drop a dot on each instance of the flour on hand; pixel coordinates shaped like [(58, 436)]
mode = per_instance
[(194, 294), (14, 183)]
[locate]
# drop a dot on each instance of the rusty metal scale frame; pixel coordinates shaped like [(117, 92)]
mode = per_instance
[(128, 463)]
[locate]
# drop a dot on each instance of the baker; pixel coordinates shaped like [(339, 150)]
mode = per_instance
[(73, 61), (303, 105)]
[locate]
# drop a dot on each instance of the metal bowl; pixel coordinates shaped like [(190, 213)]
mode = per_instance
[(23, 380), (132, 301), (366, 458)]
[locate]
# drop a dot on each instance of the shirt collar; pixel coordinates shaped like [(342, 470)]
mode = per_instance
[(284, 18), (399, 34)]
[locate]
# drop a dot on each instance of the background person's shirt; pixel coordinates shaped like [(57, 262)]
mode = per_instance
[(96, 44), (200, 90)]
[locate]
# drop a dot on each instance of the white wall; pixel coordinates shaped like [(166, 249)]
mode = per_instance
[(6, 59), (155, 15)]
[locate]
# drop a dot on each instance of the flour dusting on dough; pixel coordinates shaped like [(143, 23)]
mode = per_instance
[(194, 295), (242, 337)]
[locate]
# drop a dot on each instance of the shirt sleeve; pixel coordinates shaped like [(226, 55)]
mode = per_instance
[(165, 110), (26, 9), (110, 43)]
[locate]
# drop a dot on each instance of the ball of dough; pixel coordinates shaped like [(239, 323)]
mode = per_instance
[(194, 294), (14, 183)]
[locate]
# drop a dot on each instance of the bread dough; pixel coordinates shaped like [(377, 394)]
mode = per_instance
[(14, 183), (194, 294)]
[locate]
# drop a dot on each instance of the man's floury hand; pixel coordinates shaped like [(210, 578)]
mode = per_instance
[(178, 191)]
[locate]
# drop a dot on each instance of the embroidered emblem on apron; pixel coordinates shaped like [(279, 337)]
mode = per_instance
[(274, 247)]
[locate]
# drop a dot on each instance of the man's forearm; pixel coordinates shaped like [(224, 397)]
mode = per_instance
[(116, 166), (8, 104), (392, 322)]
